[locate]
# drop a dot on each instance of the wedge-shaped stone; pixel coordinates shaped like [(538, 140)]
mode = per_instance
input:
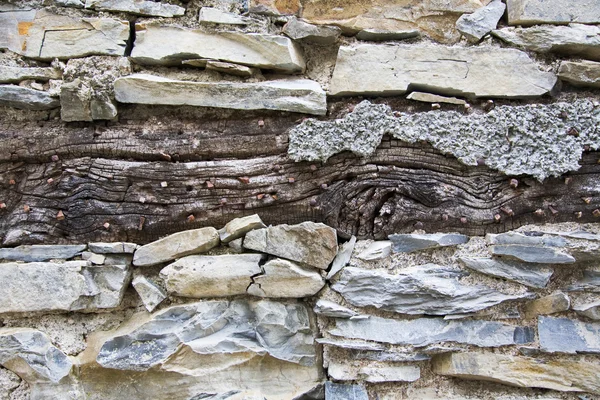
[(434, 98), (377, 250), (342, 258), (26, 99), (376, 70), (427, 289), (330, 309), (564, 335), (536, 276), (211, 276), (283, 278), (40, 252), (150, 293), (17, 74), (351, 344), (167, 45), (534, 12), (407, 243), (590, 309), (374, 374), (339, 391), (478, 24), (30, 354), (137, 7), (211, 15), (424, 331), (554, 303), (572, 40), (112, 248), (533, 254), (379, 35), (177, 245), (238, 227), (580, 73), (69, 286), (313, 244), (529, 239), (229, 68), (300, 30), (556, 374), (300, 95)]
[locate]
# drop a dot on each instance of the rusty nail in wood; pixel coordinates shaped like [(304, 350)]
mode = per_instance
[(12, 182), (106, 226), (568, 180), (578, 214), (261, 123), (50, 181), (260, 196), (209, 184), (324, 186), (463, 220), (141, 224), (514, 183), (553, 210), (244, 179), (164, 184), (497, 217), (508, 211), (313, 202), (596, 213), (26, 208), (54, 158), (572, 131), (419, 225), (291, 180), (60, 215), (445, 217), (191, 218), (539, 212), (313, 167)]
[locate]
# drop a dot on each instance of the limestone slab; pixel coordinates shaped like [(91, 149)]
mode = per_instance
[(137, 7), (166, 45), (526, 239), (330, 309), (26, 98), (535, 12), (434, 98), (299, 95), (238, 227), (211, 15), (300, 30), (565, 335), (41, 252), (177, 245), (589, 309), (274, 7), (16, 74), (150, 293), (285, 279), (229, 68), (533, 254), (377, 250), (377, 70), (589, 282), (478, 24), (342, 257), (580, 73), (351, 344), (374, 374), (408, 243), (112, 248), (536, 276)]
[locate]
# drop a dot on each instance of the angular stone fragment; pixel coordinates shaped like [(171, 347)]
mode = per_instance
[(75, 101), (371, 69), (166, 45), (554, 303), (342, 258), (41, 252), (564, 335), (379, 35), (211, 15), (137, 7), (528, 239), (31, 354), (373, 374), (536, 276), (590, 282), (434, 98), (283, 278), (211, 276), (300, 30), (572, 40), (26, 99), (424, 331), (556, 374), (150, 293), (475, 26), (69, 286), (330, 309), (274, 7), (580, 73), (531, 254), (17, 74), (112, 248), (339, 391), (377, 250), (590, 310), (70, 3), (236, 245), (534, 12), (408, 243), (177, 245), (97, 259), (389, 356), (351, 344), (427, 289), (302, 95), (238, 227), (230, 68), (310, 243)]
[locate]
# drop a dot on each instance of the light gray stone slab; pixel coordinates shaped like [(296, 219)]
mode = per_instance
[(238, 227), (427, 289), (424, 331), (580, 73), (564, 335), (228, 68), (41, 252), (96, 259), (10, 74), (481, 22), (389, 356), (374, 374), (536, 276), (112, 248), (330, 309), (535, 12), (589, 282), (177, 245), (377, 250), (286, 279), (408, 243), (26, 99), (137, 7), (341, 391), (298, 95), (342, 257), (529, 239), (150, 293), (379, 35), (351, 344), (376, 70), (533, 254), (75, 101), (298, 29), (434, 98), (211, 15)]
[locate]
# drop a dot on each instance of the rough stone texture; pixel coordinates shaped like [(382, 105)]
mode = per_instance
[(26, 99), (330, 309), (274, 7), (531, 254), (434, 98), (169, 45), (285, 279), (379, 35), (339, 391), (68, 286), (302, 95), (112, 248), (16, 74), (528, 239), (211, 276), (342, 257), (590, 282), (229, 68), (177, 245), (580, 73), (478, 24), (528, 151), (564, 335), (424, 331), (97, 259), (309, 243), (238, 227), (573, 40), (563, 375), (211, 15), (41, 252), (427, 289), (376, 251), (137, 7), (554, 303), (534, 12), (31, 354), (377, 70), (401, 373), (408, 243), (75, 101), (299, 30), (150, 293), (536, 276), (352, 344), (590, 309)]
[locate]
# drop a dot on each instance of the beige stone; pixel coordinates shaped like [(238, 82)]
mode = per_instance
[(16, 74), (580, 73), (554, 303), (285, 279), (534, 12), (238, 227)]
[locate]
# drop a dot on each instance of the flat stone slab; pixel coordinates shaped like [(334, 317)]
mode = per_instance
[(26, 99), (536, 276), (377, 250), (372, 374), (137, 7), (551, 304), (535, 12), (425, 331), (589, 309), (380, 35), (340, 391), (557, 374), (342, 257), (408, 243), (211, 15), (434, 98), (17, 74), (286, 279), (529, 239), (481, 22), (580, 73), (299, 95), (41, 252), (177, 245), (330, 309), (375, 70), (238, 227), (564, 335), (309, 243), (351, 344), (113, 248), (573, 40), (169, 45), (427, 289), (533, 254), (300, 30), (150, 293)]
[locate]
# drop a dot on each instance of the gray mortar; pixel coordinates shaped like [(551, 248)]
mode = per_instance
[(527, 139)]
